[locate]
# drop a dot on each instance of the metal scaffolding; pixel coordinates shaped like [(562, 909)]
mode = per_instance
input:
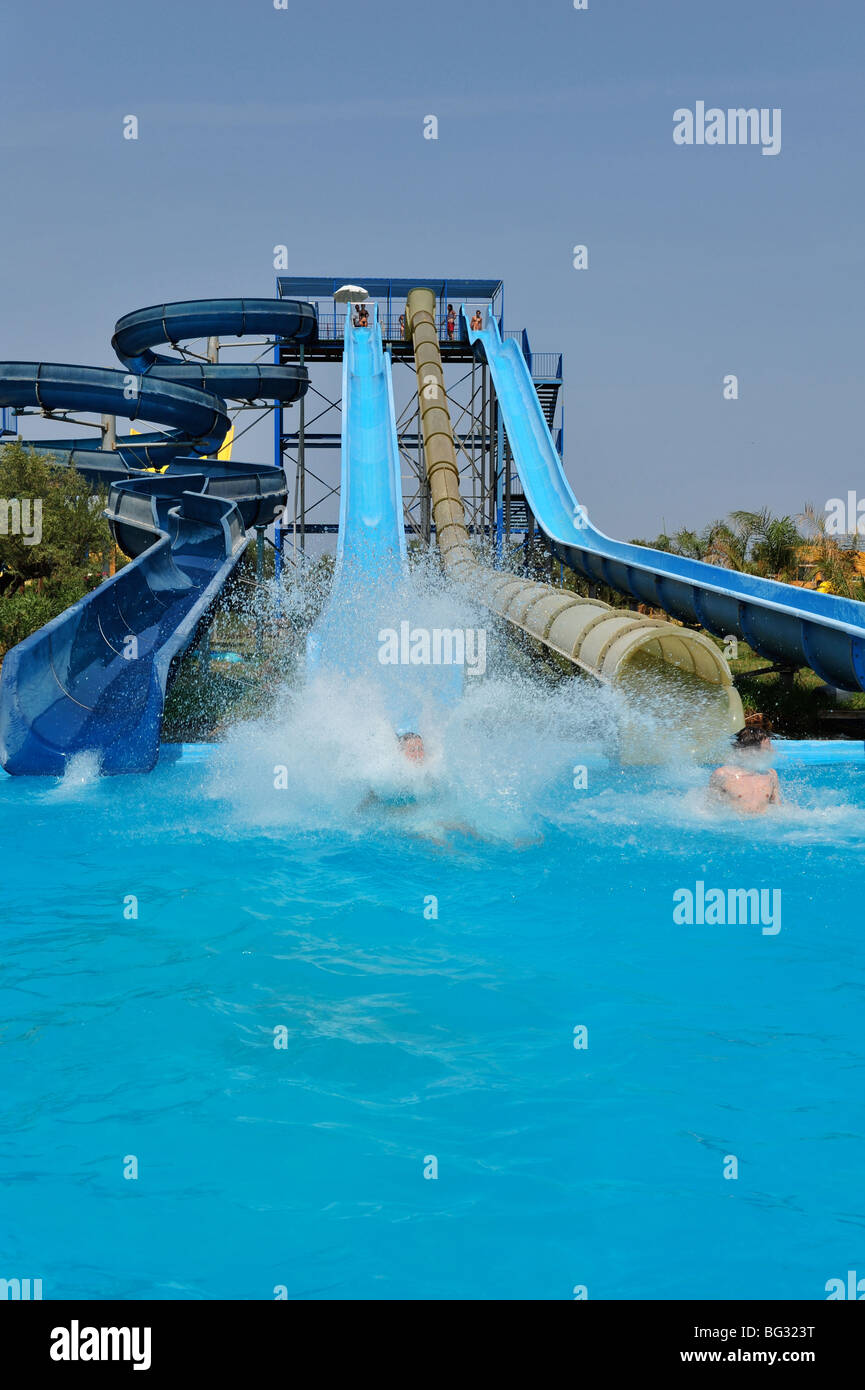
[(307, 441)]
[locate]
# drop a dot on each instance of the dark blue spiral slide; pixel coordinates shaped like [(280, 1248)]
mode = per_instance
[(95, 677)]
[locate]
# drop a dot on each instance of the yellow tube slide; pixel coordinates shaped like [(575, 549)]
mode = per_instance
[(680, 691)]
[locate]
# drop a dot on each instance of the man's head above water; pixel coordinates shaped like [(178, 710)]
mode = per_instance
[(753, 738), (411, 745)]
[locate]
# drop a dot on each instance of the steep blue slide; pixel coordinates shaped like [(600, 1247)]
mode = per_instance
[(94, 679), (371, 540), (370, 593), (792, 626), (371, 550)]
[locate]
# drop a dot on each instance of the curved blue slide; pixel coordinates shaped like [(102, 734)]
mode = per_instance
[(799, 627), (94, 679)]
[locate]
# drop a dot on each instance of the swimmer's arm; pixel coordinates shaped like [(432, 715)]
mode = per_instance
[(775, 797), (718, 782)]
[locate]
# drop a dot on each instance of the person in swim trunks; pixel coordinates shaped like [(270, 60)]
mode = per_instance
[(747, 789), (412, 747)]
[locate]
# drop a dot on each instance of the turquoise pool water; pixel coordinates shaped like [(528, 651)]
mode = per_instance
[(429, 960)]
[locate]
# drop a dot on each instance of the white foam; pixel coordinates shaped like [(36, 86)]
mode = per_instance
[(83, 770)]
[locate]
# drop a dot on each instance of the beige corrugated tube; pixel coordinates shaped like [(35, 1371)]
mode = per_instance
[(680, 691)]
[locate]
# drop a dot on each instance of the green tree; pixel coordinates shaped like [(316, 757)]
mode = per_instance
[(662, 542), (694, 544), (57, 557), (842, 570), (730, 541), (72, 532), (775, 546)]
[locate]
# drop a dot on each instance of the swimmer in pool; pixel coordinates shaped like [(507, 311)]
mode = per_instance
[(747, 789), (411, 745)]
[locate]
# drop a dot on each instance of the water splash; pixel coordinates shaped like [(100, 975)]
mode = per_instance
[(82, 770), (502, 749), (500, 746)]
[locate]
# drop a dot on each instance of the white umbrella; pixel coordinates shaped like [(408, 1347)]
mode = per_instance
[(350, 294)]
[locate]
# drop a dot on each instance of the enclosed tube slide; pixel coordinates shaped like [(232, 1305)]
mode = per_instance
[(94, 679), (678, 674)]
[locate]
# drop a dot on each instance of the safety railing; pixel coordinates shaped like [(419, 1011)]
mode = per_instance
[(331, 328), (542, 365), (546, 365), (331, 324)]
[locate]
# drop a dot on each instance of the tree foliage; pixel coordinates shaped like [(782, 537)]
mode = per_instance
[(74, 533), (48, 566)]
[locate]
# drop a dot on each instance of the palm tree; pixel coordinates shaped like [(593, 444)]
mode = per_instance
[(836, 571), (729, 541), (775, 546), (691, 543)]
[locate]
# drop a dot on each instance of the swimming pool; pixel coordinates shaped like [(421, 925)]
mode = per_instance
[(430, 965)]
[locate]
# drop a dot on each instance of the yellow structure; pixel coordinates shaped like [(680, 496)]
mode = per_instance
[(224, 454), (678, 682)]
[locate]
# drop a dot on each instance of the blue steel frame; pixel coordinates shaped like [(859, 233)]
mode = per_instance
[(393, 291)]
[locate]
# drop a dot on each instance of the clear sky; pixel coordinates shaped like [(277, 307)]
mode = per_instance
[(304, 126)]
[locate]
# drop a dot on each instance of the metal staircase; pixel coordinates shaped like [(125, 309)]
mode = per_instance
[(548, 395), (546, 370)]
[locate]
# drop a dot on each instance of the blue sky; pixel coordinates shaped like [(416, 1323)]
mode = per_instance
[(260, 126)]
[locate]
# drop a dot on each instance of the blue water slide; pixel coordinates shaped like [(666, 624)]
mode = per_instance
[(136, 334), (199, 419), (94, 679), (785, 624), (371, 535), (370, 548), (368, 591)]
